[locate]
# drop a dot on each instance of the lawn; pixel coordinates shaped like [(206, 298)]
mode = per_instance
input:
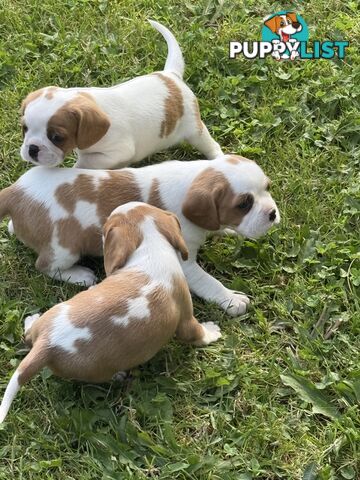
[(278, 396)]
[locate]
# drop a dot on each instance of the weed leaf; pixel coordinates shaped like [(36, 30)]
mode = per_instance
[(308, 392)]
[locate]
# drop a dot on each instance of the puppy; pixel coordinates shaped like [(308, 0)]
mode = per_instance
[(124, 320), (284, 26), (113, 127), (59, 212)]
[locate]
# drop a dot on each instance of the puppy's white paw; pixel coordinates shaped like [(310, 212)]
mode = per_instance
[(11, 228), (29, 320), (83, 275), (211, 332), (119, 376), (235, 304)]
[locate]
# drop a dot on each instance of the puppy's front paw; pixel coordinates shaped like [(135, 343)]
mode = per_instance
[(11, 227), (119, 377), (235, 304), (211, 333)]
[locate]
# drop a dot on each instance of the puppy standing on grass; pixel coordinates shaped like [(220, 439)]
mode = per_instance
[(125, 320), (113, 127)]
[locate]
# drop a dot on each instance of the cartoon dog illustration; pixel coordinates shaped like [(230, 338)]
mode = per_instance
[(284, 26)]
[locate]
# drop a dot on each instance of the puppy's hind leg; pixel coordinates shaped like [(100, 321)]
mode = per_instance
[(64, 269), (203, 141), (199, 334)]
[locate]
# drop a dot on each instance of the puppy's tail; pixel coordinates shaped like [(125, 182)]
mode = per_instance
[(34, 361), (175, 60), (5, 202)]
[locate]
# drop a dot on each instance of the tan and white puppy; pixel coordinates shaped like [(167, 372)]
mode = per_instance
[(113, 127), (284, 26), (125, 320), (59, 212)]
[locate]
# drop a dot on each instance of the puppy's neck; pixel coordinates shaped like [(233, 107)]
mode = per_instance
[(155, 256)]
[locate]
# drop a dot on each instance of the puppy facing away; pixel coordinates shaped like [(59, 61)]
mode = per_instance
[(116, 126), (59, 212), (126, 319)]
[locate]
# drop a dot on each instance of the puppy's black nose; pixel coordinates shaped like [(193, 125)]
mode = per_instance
[(296, 25), (33, 151), (272, 215)]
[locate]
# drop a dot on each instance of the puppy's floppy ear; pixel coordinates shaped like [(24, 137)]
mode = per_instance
[(292, 17), (121, 239), (169, 226), (272, 23), (201, 202), (93, 123)]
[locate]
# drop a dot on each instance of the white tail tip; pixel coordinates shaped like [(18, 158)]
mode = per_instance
[(174, 61), (10, 392)]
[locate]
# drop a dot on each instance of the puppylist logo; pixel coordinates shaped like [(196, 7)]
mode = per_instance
[(285, 35)]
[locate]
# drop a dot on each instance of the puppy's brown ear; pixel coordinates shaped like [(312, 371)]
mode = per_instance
[(201, 202), (292, 17), (169, 226), (93, 123), (120, 241), (272, 23)]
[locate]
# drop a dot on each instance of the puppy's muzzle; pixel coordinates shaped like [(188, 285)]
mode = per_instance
[(34, 151)]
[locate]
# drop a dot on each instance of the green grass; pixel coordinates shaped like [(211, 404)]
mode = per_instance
[(278, 396)]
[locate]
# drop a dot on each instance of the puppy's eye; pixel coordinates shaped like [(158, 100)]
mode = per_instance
[(246, 202), (289, 21), (56, 139), (282, 23), (24, 129)]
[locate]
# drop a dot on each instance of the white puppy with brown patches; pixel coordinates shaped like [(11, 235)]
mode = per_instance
[(125, 320), (59, 212), (113, 127)]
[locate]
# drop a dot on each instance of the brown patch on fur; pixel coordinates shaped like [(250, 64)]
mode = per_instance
[(121, 187), (31, 222), (30, 98), (199, 123), (50, 92), (233, 160), (210, 201), (80, 122), (236, 159), (110, 192), (78, 240), (154, 195), (68, 194), (26, 212), (174, 106)]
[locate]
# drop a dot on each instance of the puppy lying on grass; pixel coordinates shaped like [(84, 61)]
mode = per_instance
[(124, 320), (59, 212)]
